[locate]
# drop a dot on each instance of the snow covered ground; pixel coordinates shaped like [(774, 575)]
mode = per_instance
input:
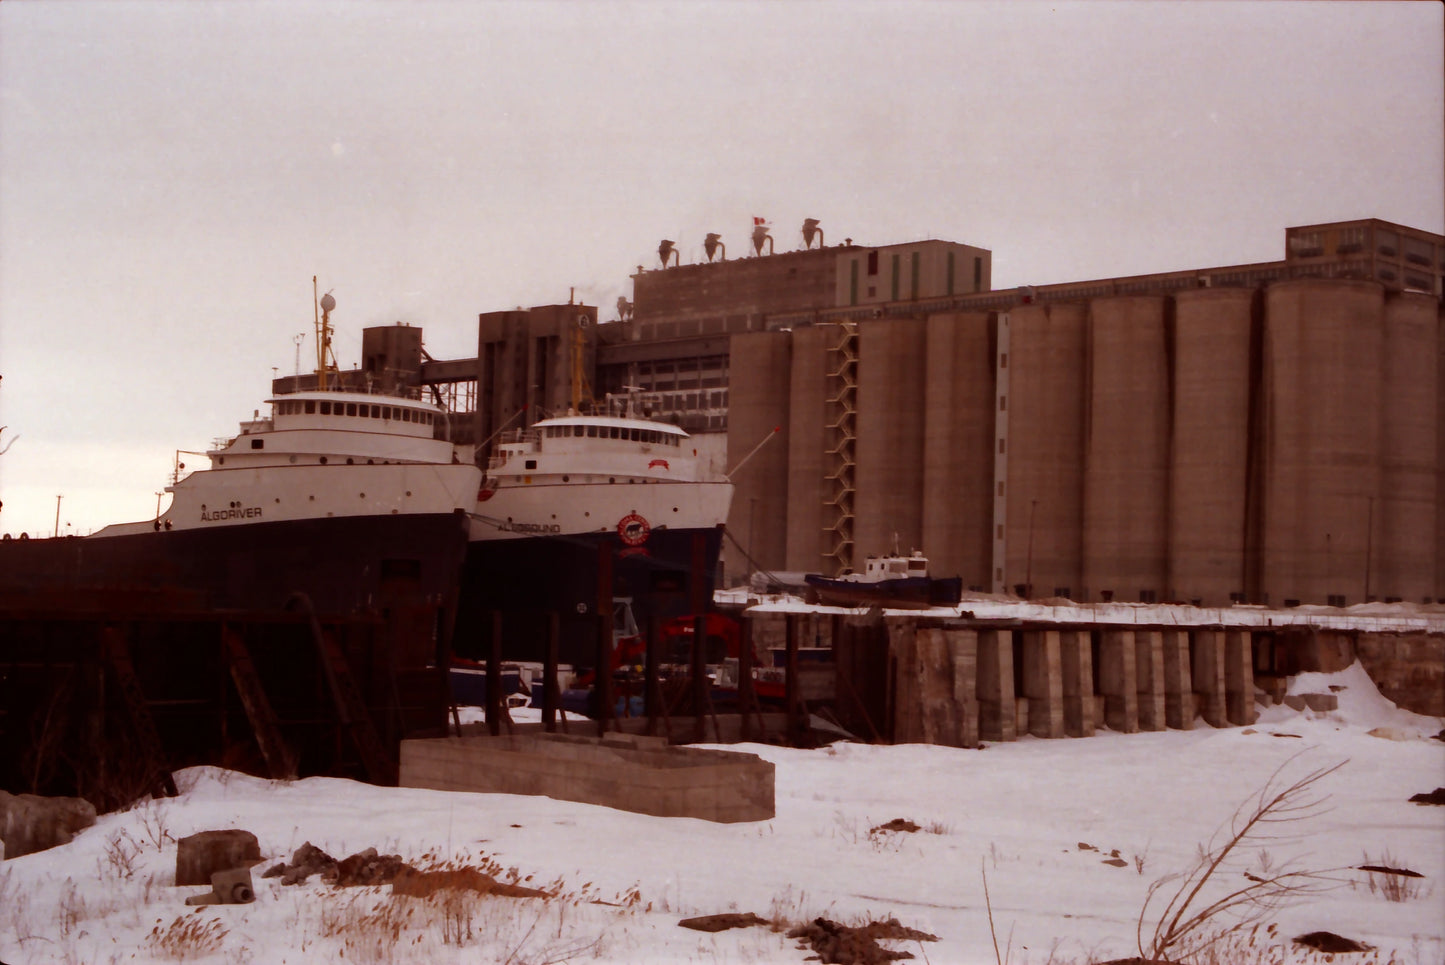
[(1018, 813)]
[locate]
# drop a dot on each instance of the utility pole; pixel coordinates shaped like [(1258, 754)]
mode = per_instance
[(57, 514)]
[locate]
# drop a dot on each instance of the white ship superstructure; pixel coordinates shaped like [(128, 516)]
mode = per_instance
[(323, 455), (580, 474)]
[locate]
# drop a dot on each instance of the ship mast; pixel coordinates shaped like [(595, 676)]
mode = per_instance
[(324, 353)]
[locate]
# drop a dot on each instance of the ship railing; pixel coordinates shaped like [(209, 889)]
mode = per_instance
[(179, 469)]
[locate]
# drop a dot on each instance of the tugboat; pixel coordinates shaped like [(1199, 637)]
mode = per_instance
[(896, 581), (342, 496)]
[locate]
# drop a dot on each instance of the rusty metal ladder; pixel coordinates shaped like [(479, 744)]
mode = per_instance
[(350, 707), (115, 649), (280, 761)]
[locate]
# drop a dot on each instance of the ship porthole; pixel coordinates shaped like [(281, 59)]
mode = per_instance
[(278, 500), (586, 514), (612, 479), (408, 492), (323, 460), (293, 460), (363, 495), (312, 498), (564, 478), (349, 460)]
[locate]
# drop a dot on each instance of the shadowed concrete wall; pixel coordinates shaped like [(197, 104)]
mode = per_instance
[(1322, 364), (1126, 456), (890, 437), (1403, 547), (757, 519), (958, 447), (1209, 444), (1045, 443), (807, 448)]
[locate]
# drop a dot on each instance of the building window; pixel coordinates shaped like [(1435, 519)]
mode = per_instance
[(1388, 243), (872, 262)]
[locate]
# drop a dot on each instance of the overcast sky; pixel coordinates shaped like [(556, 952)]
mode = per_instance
[(172, 174)]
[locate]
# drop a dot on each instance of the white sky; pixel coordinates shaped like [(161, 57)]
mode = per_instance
[(173, 173)]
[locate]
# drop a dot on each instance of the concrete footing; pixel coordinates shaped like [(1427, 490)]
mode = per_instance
[(959, 685), (627, 772)]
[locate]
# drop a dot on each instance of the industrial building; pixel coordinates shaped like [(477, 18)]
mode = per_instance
[(1264, 434)]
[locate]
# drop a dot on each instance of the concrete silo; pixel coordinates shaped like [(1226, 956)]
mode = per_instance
[(958, 440), (1126, 449), (1209, 452), (758, 402), (1043, 443), (890, 437), (1321, 357), (1403, 543), (805, 478)]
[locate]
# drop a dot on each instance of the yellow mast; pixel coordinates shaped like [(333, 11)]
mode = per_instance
[(323, 335)]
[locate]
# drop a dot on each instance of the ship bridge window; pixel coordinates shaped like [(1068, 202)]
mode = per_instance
[(591, 432), (310, 406), (326, 408), (386, 412), (376, 412), (258, 443), (351, 408)]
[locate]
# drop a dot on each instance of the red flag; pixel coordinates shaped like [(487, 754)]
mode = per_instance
[(759, 221)]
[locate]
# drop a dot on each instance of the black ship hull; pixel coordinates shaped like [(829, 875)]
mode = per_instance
[(527, 580), (344, 565)]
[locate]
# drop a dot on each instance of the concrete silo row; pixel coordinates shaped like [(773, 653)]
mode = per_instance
[(1214, 330), (1213, 445), (1126, 449), (1403, 547), (760, 385), (1322, 357)]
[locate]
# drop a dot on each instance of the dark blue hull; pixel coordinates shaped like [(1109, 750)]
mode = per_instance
[(344, 565), (528, 580)]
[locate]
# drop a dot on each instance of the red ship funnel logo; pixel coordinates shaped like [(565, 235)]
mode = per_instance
[(633, 530), (657, 464)]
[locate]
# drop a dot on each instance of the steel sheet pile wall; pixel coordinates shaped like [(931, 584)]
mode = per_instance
[(958, 446), (759, 513), (890, 437), (1322, 367), (1126, 456), (1403, 545), (1045, 482), (807, 447), (1209, 462)]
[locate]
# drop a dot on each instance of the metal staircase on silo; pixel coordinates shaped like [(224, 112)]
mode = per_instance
[(842, 424)]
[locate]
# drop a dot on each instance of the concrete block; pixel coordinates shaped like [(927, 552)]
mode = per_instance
[(963, 652), (645, 778), (1321, 703), (199, 856), (31, 823)]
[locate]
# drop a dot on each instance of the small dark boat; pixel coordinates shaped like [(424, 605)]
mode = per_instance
[(900, 582)]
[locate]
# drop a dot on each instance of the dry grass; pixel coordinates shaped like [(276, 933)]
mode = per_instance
[(189, 936)]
